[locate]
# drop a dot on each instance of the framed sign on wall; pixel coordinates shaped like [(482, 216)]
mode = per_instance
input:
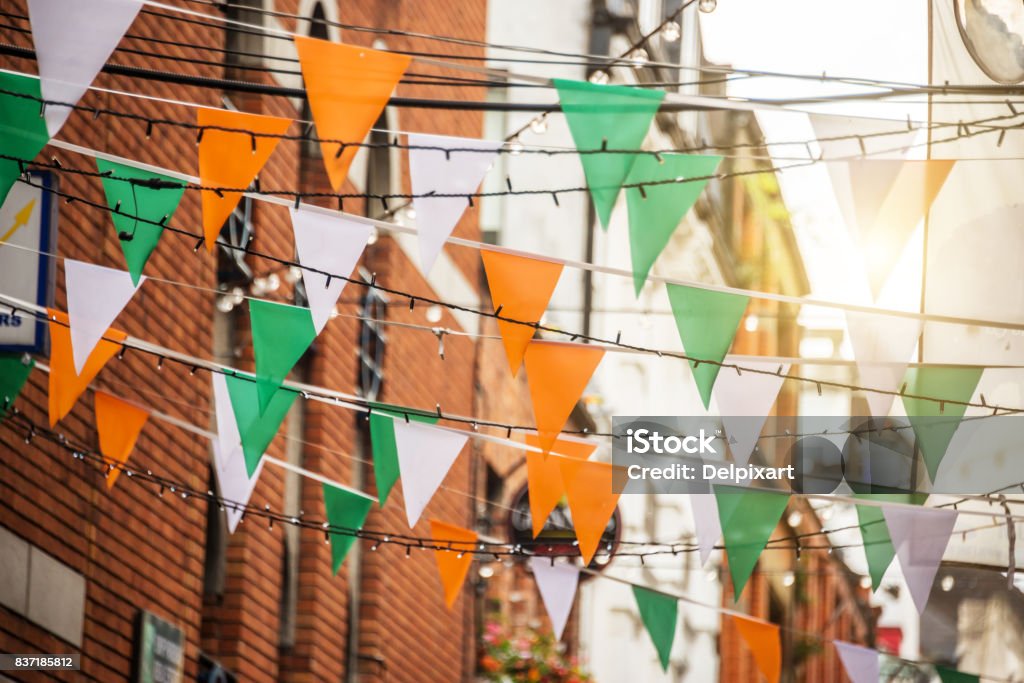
[(28, 234)]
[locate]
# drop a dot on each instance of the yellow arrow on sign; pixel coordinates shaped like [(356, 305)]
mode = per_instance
[(20, 219)]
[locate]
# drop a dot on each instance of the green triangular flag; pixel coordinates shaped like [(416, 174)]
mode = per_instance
[(707, 323), (385, 450), (947, 675), (23, 131), (875, 533), (345, 509), (934, 423), (655, 210), (137, 237), (748, 519), (14, 372), (611, 117), (658, 612), (256, 429), (280, 335)]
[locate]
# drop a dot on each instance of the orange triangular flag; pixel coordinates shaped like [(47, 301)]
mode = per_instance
[(558, 373), (521, 288), (232, 159), (348, 87), (544, 476), (119, 424), (592, 500), (763, 640), (65, 384), (452, 562)]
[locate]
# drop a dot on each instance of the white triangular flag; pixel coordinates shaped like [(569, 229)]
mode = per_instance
[(882, 346), (425, 454), (73, 40), (234, 482), (861, 663), (557, 584), (227, 427), (329, 244), (228, 457), (443, 172), (744, 401), (920, 537), (706, 522), (96, 295)]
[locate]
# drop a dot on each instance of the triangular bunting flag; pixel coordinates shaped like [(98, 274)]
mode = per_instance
[(73, 40), (920, 537), (66, 385), (544, 476), (454, 560), (234, 483), (346, 509), (228, 437), (659, 612), (328, 244), (385, 450), (557, 585), (96, 295), (14, 371), (22, 131), (706, 523), (607, 117), (655, 210), (425, 454), (762, 638), (592, 500), (557, 373), (520, 288), (744, 402), (947, 675), (748, 519), (882, 346), (707, 322), (878, 548), (908, 201), (140, 210), (256, 427), (439, 172), (348, 87), (280, 335), (861, 663), (118, 424), (935, 423), (230, 159)]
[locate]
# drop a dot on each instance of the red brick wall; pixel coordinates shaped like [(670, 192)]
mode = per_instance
[(138, 550)]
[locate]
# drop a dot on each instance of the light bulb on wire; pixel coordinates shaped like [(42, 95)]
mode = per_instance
[(707, 6), (515, 148), (539, 125), (671, 31), (639, 58), (599, 77)]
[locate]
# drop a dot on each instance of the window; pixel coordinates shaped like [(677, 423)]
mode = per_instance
[(244, 45), (317, 29), (371, 344)]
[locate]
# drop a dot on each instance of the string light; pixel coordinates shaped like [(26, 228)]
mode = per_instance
[(671, 32), (707, 6)]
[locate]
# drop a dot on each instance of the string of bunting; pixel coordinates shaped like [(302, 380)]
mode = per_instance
[(505, 319), (656, 607)]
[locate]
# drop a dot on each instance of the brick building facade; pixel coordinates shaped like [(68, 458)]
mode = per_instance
[(262, 603)]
